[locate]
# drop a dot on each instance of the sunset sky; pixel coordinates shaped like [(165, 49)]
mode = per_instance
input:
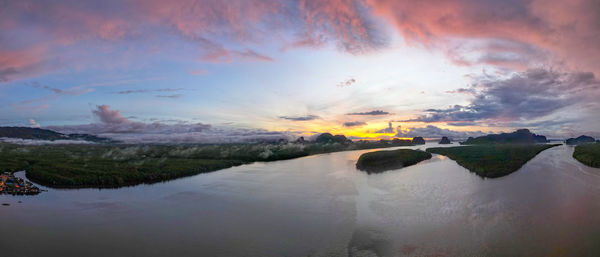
[(229, 71)]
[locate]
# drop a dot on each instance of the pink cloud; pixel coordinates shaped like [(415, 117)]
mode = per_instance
[(565, 28), (18, 62), (514, 34)]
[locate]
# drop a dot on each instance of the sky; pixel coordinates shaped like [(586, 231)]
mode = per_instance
[(239, 71)]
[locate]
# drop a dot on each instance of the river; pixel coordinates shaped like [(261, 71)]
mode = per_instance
[(321, 206)]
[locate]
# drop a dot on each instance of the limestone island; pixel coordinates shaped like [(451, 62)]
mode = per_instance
[(418, 141), (379, 161), (521, 136), (583, 139), (445, 141)]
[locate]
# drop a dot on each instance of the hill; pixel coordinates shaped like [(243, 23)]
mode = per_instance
[(521, 136), (580, 140), (30, 133), (445, 141), (46, 134)]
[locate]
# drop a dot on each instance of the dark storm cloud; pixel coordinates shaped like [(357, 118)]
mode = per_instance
[(527, 95), (300, 118), (373, 113)]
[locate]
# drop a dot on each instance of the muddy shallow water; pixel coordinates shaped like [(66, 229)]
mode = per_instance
[(321, 206)]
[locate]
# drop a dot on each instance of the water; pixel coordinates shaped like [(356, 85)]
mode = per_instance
[(321, 206)]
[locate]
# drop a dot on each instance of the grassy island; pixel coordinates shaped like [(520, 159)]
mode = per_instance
[(380, 161), (492, 161), (588, 154), (116, 165)]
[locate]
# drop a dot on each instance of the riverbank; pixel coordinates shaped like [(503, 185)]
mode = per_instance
[(379, 161), (113, 166), (492, 161), (588, 154)]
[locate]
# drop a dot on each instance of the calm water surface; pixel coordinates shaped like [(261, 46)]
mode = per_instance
[(321, 206)]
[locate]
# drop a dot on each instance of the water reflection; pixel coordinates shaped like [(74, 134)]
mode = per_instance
[(322, 206)]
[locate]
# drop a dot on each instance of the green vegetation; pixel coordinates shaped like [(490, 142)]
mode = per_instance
[(588, 154), (111, 165), (492, 161), (380, 161)]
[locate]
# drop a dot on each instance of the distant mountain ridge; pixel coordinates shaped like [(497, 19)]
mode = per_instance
[(580, 140), (521, 136), (46, 134)]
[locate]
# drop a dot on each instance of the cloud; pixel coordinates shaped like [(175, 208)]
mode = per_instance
[(139, 91), (347, 83), (226, 56), (354, 123), (108, 116), (387, 130), (6, 73), (20, 62), (72, 91), (467, 91), (562, 28), (112, 124), (33, 123), (523, 96), (517, 34), (175, 96), (462, 124), (431, 131), (376, 112), (300, 118), (221, 30), (252, 55)]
